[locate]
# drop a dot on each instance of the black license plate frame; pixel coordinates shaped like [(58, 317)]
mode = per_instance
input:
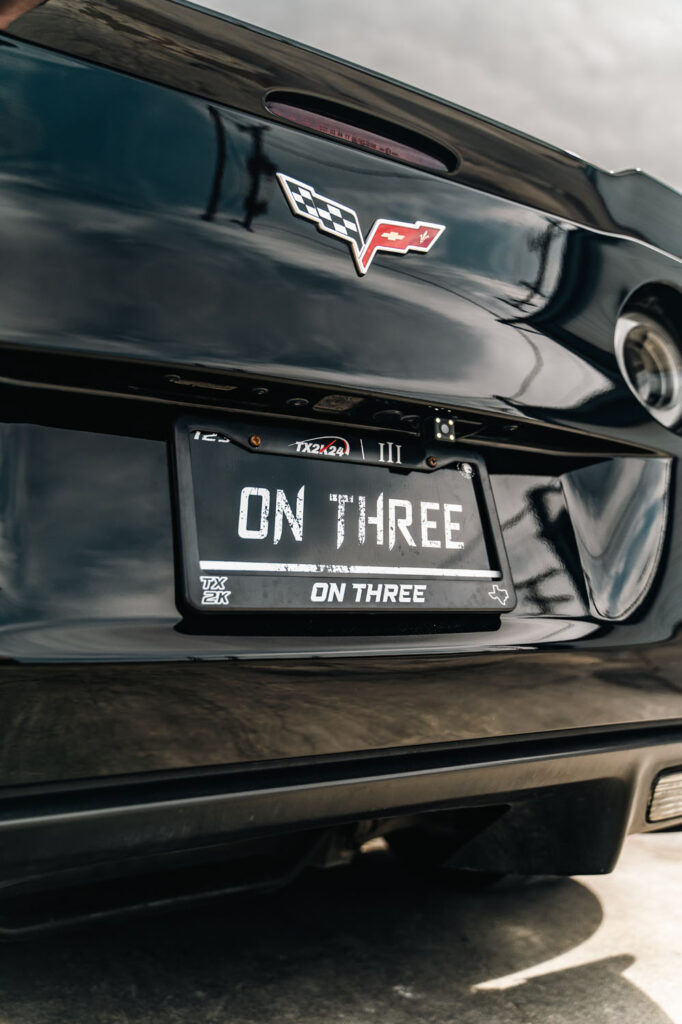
[(385, 462)]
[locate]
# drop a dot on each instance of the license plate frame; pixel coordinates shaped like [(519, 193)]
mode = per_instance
[(393, 463)]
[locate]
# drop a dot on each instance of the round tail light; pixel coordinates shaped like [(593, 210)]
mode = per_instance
[(651, 363)]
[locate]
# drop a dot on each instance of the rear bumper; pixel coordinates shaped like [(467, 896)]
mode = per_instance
[(70, 722), (571, 800)]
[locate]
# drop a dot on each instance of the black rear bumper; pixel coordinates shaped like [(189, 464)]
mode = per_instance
[(569, 801)]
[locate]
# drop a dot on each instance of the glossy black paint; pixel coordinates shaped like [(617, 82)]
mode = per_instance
[(171, 275), (619, 513), (87, 575), (222, 60), (107, 218)]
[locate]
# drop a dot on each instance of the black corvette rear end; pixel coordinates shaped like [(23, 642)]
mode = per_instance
[(327, 511)]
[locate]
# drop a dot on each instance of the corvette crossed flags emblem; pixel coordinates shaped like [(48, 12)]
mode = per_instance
[(340, 221)]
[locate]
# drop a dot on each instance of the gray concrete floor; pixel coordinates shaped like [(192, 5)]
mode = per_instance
[(370, 944)]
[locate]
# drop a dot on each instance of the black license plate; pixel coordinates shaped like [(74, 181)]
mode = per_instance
[(300, 519)]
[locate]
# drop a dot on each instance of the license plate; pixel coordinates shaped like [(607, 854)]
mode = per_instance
[(297, 519)]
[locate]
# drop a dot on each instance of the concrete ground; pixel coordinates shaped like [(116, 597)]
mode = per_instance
[(370, 944)]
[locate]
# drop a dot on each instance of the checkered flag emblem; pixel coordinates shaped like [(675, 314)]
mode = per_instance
[(333, 218)]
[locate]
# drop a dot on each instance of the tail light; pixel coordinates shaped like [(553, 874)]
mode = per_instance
[(358, 129)]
